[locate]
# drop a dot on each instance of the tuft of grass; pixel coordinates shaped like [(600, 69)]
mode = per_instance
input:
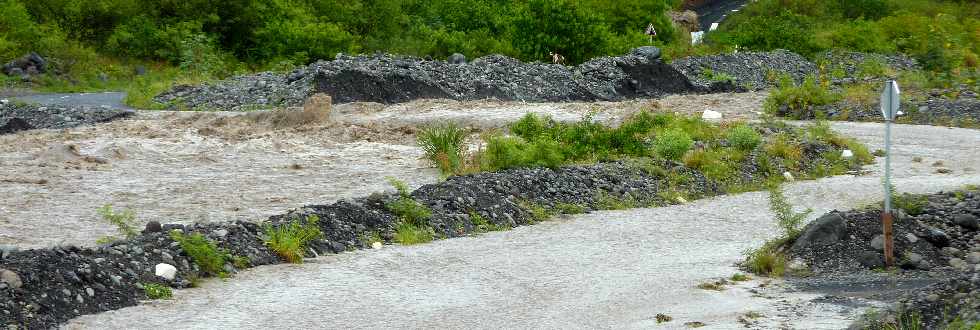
[(718, 285), (536, 212), (569, 208), (739, 277), (743, 137), (443, 146), (672, 144), (711, 75), (409, 234), (156, 291), (798, 99), (607, 201), (290, 240), (125, 222), (483, 225), (406, 208), (767, 261), (203, 251), (782, 146)]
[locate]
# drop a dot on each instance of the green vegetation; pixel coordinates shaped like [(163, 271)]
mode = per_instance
[(125, 222), (744, 137), (711, 75), (941, 35), (718, 285), (203, 251), (289, 241), (739, 277), (536, 212), (157, 291), (483, 225), (770, 259), (414, 225), (607, 201), (569, 208), (672, 144), (799, 99), (443, 146)]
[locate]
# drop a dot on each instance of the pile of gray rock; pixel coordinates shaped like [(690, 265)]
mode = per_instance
[(26, 67), (848, 65), (391, 79), (16, 116), (938, 245), (743, 70), (958, 106)]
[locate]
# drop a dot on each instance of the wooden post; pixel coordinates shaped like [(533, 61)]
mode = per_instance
[(886, 226)]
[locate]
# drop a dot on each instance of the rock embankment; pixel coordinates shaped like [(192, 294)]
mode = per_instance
[(937, 240), (743, 71), (16, 117), (392, 79)]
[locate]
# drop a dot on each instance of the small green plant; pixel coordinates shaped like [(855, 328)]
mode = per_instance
[(911, 204), (241, 262), (744, 137), (203, 251), (443, 146), (739, 277), (157, 291), (409, 234), (787, 219), (798, 100), (661, 318), (767, 261), (711, 75), (483, 225), (406, 208), (290, 240), (536, 212), (125, 222), (607, 201), (569, 208), (672, 144), (718, 285)]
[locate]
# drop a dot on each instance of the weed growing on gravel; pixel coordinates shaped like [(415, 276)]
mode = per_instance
[(743, 137), (787, 219), (607, 201), (125, 222), (290, 240), (443, 146), (203, 251), (409, 234), (782, 146), (718, 285), (739, 277), (157, 291), (483, 225), (672, 144), (911, 204), (798, 100), (536, 212), (767, 261), (406, 208), (717, 76), (569, 208)]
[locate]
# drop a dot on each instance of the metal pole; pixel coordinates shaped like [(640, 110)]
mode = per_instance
[(886, 216)]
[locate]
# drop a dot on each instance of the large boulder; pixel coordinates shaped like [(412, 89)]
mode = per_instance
[(826, 230), (967, 221), (937, 237), (31, 63)]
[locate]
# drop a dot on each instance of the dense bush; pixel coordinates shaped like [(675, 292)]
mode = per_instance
[(942, 35), (672, 144), (269, 31)]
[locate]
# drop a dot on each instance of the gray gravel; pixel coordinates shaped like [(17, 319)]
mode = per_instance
[(747, 70), (603, 270), (16, 116)]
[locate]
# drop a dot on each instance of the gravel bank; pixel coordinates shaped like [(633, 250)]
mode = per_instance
[(744, 70), (612, 269), (393, 79), (16, 117)]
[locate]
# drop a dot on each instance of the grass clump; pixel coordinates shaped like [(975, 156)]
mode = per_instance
[(409, 234), (718, 285), (125, 222), (203, 251), (798, 99), (483, 225), (711, 75), (672, 144), (290, 240), (770, 259), (443, 146), (156, 291), (413, 227), (607, 201), (535, 211), (767, 261), (569, 208), (743, 137), (788, 220), (739, 277)]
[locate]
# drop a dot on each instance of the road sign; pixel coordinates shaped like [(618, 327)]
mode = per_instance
[(889, 107), (890, 100)]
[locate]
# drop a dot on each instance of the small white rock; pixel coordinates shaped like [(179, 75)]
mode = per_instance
[(166, 271), (376, 245), (788, 176), (711, 115), (847, 153), (912, 238)]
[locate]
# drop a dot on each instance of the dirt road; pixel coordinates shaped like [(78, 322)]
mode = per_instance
[(613, 269)]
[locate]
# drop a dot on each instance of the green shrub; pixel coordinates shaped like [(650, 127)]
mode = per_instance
[(290, 240), (531, 126), (203, 251), (798, 99), (156, 291), (744, 137), (409, 234), (125, 220), (766, 261), (569, 208), (606, 201), (443, 146), (672, 144), (483, 225), (711, 75), (536, 212)]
